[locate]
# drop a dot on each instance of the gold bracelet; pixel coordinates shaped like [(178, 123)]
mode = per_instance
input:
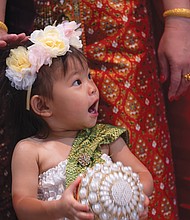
[(179, 12), (3, 26)]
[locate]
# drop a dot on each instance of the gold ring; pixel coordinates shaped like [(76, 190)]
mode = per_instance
[(187, 76)]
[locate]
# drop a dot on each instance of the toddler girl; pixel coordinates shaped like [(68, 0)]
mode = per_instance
[(52, 103)]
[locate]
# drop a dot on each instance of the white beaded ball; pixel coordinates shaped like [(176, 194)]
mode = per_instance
[(112, 191)]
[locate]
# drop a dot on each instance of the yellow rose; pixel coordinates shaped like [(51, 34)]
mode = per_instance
[(18, 59), (52, 39)]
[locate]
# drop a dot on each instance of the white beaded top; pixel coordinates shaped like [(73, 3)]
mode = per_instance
[(52, 182)]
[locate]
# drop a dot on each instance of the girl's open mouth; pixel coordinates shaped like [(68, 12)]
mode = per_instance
[(93, 108)]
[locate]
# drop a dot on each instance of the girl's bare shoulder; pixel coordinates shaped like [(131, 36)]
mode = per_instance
[(29, 146)]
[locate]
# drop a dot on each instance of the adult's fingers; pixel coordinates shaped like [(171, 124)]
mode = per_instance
[(164, 66), (12, 39), (185, 84), (175, 80), (2, 44)]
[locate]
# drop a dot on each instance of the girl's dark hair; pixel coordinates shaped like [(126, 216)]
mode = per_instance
[(19, 123)]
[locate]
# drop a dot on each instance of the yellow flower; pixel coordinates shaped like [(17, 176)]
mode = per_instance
[(52, 40), (18, 59)]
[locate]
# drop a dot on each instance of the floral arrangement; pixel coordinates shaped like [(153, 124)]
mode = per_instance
[(24, 63)]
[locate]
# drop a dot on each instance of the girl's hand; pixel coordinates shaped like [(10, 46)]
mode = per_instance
[(144, 214), (174, 55), (73, 209), (9, 39)]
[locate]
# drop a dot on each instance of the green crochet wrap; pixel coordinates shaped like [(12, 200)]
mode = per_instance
[(86, 149)]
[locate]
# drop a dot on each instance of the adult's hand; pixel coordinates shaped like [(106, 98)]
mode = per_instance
[(174, 55), (11, 39)]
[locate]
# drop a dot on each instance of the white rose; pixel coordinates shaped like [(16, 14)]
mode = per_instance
[(55, 43)]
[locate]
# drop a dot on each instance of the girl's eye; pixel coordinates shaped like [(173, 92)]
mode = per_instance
[(89, 76), (77, 82)]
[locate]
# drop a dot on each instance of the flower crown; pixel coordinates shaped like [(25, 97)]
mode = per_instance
[(24, 63)]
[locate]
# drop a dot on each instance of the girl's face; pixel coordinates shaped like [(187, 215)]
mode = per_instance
[(75, 99)]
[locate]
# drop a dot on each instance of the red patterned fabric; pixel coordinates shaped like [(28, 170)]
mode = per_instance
[(179, 123), (178, 115), (120, 47)]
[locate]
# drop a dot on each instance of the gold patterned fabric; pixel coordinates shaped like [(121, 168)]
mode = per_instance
[(88, 143), (119, 44)]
